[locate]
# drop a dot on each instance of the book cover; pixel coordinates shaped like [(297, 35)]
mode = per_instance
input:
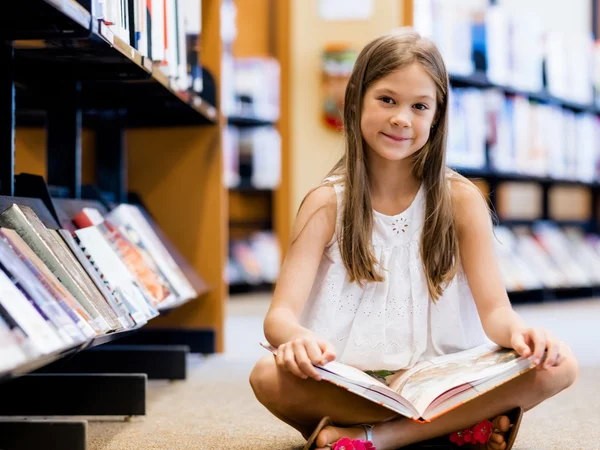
[(116, 273), (42, 335), (88, 286), (139, 263), (11, 353), (109, 295), (129, 218), (51, 284), (31, 287), (24, 221)]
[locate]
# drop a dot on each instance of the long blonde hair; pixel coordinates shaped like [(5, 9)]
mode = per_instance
[(439, 241)]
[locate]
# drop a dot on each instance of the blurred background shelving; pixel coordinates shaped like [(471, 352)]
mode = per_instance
[(525, 128), (252, 144)]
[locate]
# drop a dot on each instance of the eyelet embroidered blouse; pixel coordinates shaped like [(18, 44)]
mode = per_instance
[(393, 324)]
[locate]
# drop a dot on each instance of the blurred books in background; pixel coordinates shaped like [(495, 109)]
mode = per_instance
[(547, 256), (252, 157), (523, 97), (254, 261)]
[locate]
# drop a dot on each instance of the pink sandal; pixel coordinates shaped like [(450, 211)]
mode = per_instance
[(478, 434), (344, 443)]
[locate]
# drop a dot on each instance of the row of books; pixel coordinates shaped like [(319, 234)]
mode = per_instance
[(60, 288), (522, 136), (512, 47), (166, 31), (250, 87), (252, 154), (547, 256), (255, 260)]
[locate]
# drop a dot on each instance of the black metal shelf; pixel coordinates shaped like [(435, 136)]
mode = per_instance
[(247, 122), (503, 176), (246, 288), (31, 366), (38, 363), (116, 80), (480, 80), (45, 19), (549, 294)]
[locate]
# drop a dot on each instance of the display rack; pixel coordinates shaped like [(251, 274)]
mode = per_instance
[(64, 69)]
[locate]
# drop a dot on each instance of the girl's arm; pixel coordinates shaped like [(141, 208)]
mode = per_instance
[(500, 322), (313, 229), (478, 257)]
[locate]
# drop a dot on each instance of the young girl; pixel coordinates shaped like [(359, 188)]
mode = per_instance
[(392, 262)]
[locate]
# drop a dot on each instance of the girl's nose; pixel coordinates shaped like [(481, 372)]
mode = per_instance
[(401, 119)]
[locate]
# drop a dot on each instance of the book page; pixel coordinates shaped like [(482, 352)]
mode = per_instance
[(469, 391), (428, 380)]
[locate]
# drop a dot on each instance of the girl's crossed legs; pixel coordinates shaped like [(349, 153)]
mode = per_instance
[(303, 403)]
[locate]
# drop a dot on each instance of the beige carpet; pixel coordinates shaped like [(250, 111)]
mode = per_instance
[(215, 409)]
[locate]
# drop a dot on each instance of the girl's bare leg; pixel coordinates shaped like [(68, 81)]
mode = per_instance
[(302, 403)]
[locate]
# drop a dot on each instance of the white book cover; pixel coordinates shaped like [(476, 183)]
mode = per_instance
[(171, 38), (114, 301), (522, 128), (127, 214), (266, 158), (474, 107), (557, 64), (526, 50), (158, 30), (94, 243), (182, 69), (497, 45), (554, 132), (140, 26), (42, 336), (11, 353), (457, 155)]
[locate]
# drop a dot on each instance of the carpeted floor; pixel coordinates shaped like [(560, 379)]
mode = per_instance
[(215, 408)]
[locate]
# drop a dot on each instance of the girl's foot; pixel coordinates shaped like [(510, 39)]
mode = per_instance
[(497, 440), (329, 435)]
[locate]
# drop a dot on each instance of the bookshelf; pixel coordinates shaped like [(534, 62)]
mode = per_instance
[(254, 208), (154, 145), (492, 179)]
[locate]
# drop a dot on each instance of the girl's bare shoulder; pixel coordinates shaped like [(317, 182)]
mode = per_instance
[(318, 212), (467, 199)]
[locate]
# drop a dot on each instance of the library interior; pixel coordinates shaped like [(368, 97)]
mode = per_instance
[(195, 136)]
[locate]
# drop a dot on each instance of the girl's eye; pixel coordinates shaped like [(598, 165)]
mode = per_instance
[(388, 100), (420, 106)]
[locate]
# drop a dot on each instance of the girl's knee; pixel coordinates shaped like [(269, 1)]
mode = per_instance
[(262, 378), (559, 378), (571, 366)]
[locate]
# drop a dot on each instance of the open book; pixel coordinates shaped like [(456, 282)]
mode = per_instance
[(431, 388)]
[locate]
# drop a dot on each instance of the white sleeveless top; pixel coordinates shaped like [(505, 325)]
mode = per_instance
[(391, 324)]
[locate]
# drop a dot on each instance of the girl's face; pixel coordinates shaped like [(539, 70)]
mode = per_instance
[(398, 112)]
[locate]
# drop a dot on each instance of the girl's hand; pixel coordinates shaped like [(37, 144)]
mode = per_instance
[(536, 342), (299, 355)]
